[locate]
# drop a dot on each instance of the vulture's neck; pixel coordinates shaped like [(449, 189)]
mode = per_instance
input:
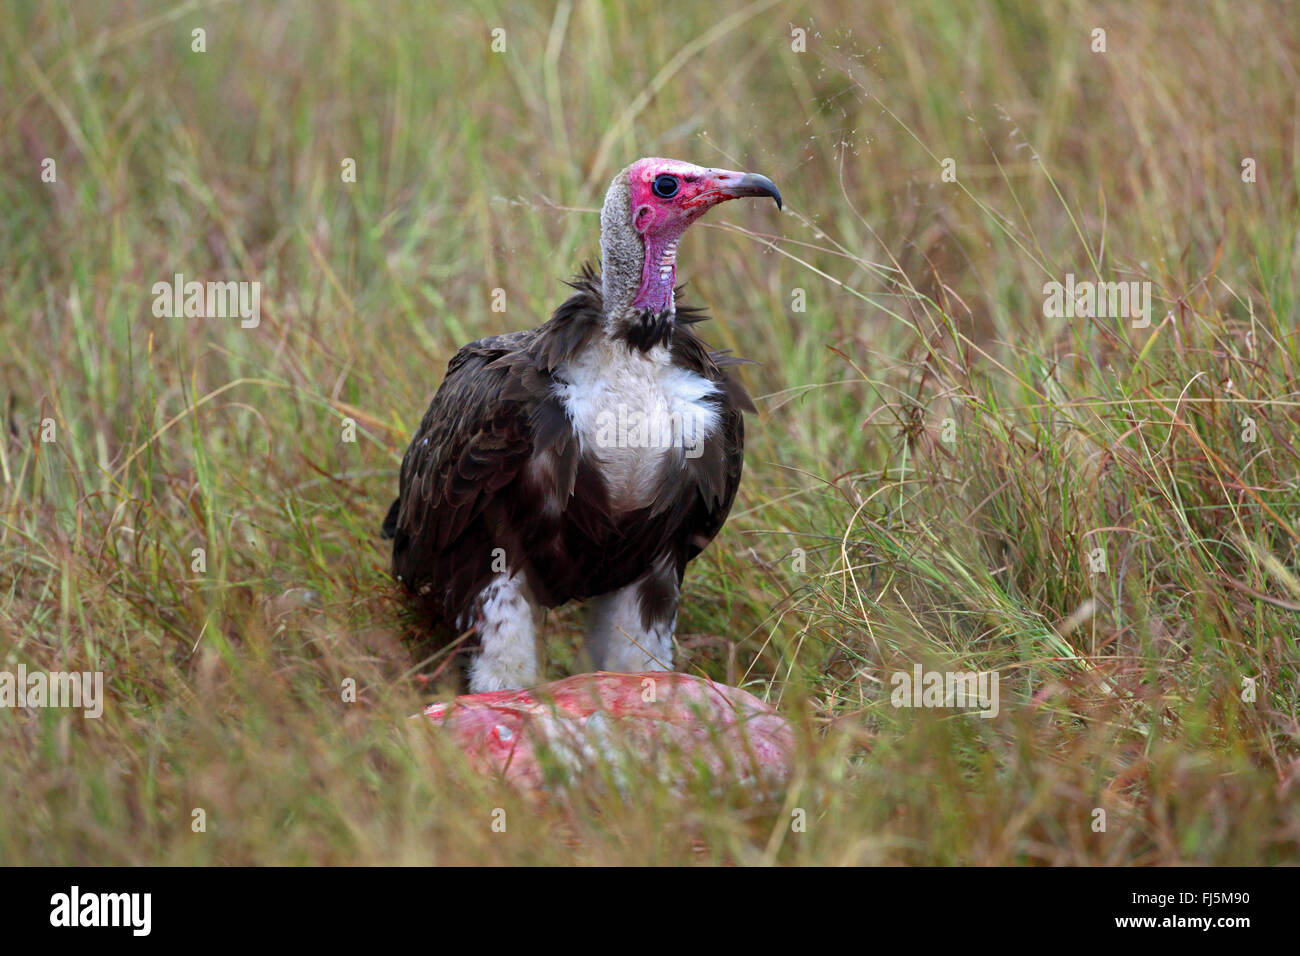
[(637, 275), (658, 275)]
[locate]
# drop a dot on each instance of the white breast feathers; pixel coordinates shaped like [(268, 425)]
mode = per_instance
[(629, 409)]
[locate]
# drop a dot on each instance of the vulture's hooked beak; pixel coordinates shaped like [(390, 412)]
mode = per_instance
[(730, 185)]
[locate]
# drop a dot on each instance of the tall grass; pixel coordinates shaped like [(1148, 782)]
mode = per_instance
[(936, 474)]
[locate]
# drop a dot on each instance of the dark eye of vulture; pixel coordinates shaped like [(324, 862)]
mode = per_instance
[(588, 459), (665, 186)]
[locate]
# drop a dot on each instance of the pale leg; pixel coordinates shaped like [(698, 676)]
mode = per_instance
[(507, 627), (619, 636)]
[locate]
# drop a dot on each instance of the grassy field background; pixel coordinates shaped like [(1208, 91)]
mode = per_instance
[(934, 471)]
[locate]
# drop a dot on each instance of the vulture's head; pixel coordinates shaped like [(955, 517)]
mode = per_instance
[(648, 207)]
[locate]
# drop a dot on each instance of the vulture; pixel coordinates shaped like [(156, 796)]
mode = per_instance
[(588, 459)]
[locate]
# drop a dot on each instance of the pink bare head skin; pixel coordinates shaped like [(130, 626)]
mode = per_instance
[(664, 196)]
